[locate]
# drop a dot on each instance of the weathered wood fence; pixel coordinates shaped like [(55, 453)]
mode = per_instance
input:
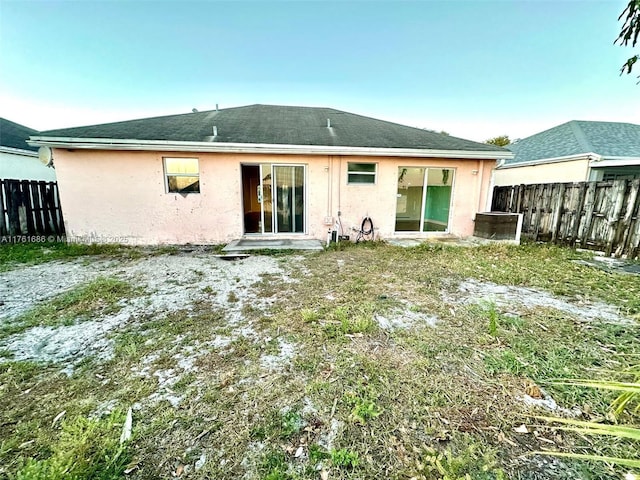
[(30, 208), (595, 215)]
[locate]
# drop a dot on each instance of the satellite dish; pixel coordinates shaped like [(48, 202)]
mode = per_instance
[(46, 156)]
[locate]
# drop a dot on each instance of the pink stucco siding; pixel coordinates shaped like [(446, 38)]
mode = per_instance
[(120, 196)]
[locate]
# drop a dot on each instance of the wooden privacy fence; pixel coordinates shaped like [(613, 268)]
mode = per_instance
[(29, 207), (595, 215)]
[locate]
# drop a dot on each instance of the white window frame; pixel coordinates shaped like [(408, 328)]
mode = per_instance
[(167, 174), (373, 174)]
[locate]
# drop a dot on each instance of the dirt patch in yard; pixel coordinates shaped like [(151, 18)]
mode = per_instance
[(66, 343), (23, 288), (285, 353), (166, 284), (405, 317), (516, 298)]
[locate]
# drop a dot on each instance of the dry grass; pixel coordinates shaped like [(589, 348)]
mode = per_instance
[(99, 297), (352, 398)]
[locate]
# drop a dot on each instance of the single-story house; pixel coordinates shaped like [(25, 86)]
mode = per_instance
[(265, 171), (18, 159), (576, 151)]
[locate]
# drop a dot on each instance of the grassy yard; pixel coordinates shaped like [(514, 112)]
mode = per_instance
[(370, 361)]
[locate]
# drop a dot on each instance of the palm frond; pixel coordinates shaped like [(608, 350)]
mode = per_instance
[(592, 428), (630, 387), (627, 462)]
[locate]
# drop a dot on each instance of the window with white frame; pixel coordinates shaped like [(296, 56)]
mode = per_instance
[(182, 175), (361, 173)]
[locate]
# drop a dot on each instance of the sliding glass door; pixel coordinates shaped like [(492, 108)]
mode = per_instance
[(289, 199), (423, 199), (274, 198)]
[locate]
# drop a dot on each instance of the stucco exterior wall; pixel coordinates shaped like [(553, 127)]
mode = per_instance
[(570, 171), (119, 196), (470, 190), (24, 167)]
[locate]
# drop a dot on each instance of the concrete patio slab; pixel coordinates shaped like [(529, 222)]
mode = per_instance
[(246, 244), (405, 242), (447, 240)]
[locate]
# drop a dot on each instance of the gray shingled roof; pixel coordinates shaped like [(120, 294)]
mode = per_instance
[(273, 124), (608, 139), (14, 135)]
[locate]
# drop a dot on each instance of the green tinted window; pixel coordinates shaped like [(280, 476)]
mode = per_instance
[(359, 173)]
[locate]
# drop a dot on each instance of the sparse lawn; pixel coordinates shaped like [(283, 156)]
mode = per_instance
[(366, 362), (12, 255), (99, 297)]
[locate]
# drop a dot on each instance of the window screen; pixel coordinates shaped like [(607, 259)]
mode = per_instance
[(359, 173)]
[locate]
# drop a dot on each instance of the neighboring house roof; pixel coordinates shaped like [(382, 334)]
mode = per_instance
[(14, 135), (606, 139), (274, 125)]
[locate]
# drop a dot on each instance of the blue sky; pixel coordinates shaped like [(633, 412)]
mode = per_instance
[(474, 68)]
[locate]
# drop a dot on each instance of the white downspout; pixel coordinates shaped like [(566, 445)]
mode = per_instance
[(492, 184), (329, 185), (480, 182)]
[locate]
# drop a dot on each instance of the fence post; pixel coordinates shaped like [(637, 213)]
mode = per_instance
[(521, 188), (538, 196), (526, 208), (557, 213), (13, 206), (50, 224), (496, 196), (619, 189), (512, 199), (577, 214), (58, 208), (634, 247), (589, 203), (27, 201), (3, 192), (37, 206), (633, 205)]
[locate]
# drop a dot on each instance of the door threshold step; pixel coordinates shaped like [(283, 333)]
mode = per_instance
[(245, 244)]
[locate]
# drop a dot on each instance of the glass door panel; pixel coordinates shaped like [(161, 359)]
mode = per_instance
[(423, 199), (266, 198), (251, 198), (298, 200), (289, 198), (437, 200), (409, 199)]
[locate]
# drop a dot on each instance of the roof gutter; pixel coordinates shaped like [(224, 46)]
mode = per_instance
[(219, 147), (614, 162), (18, 151), (592, 157)]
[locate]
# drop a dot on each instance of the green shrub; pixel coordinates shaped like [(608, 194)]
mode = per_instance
[(86, 449), (344, 458)]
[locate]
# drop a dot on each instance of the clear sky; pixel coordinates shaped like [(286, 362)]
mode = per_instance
[(475, 68)]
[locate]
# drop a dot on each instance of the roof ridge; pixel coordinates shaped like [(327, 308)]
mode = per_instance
[(581, 137), (127, 121), (199, 112), (423, 130), (608, 122), (2, 119)]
